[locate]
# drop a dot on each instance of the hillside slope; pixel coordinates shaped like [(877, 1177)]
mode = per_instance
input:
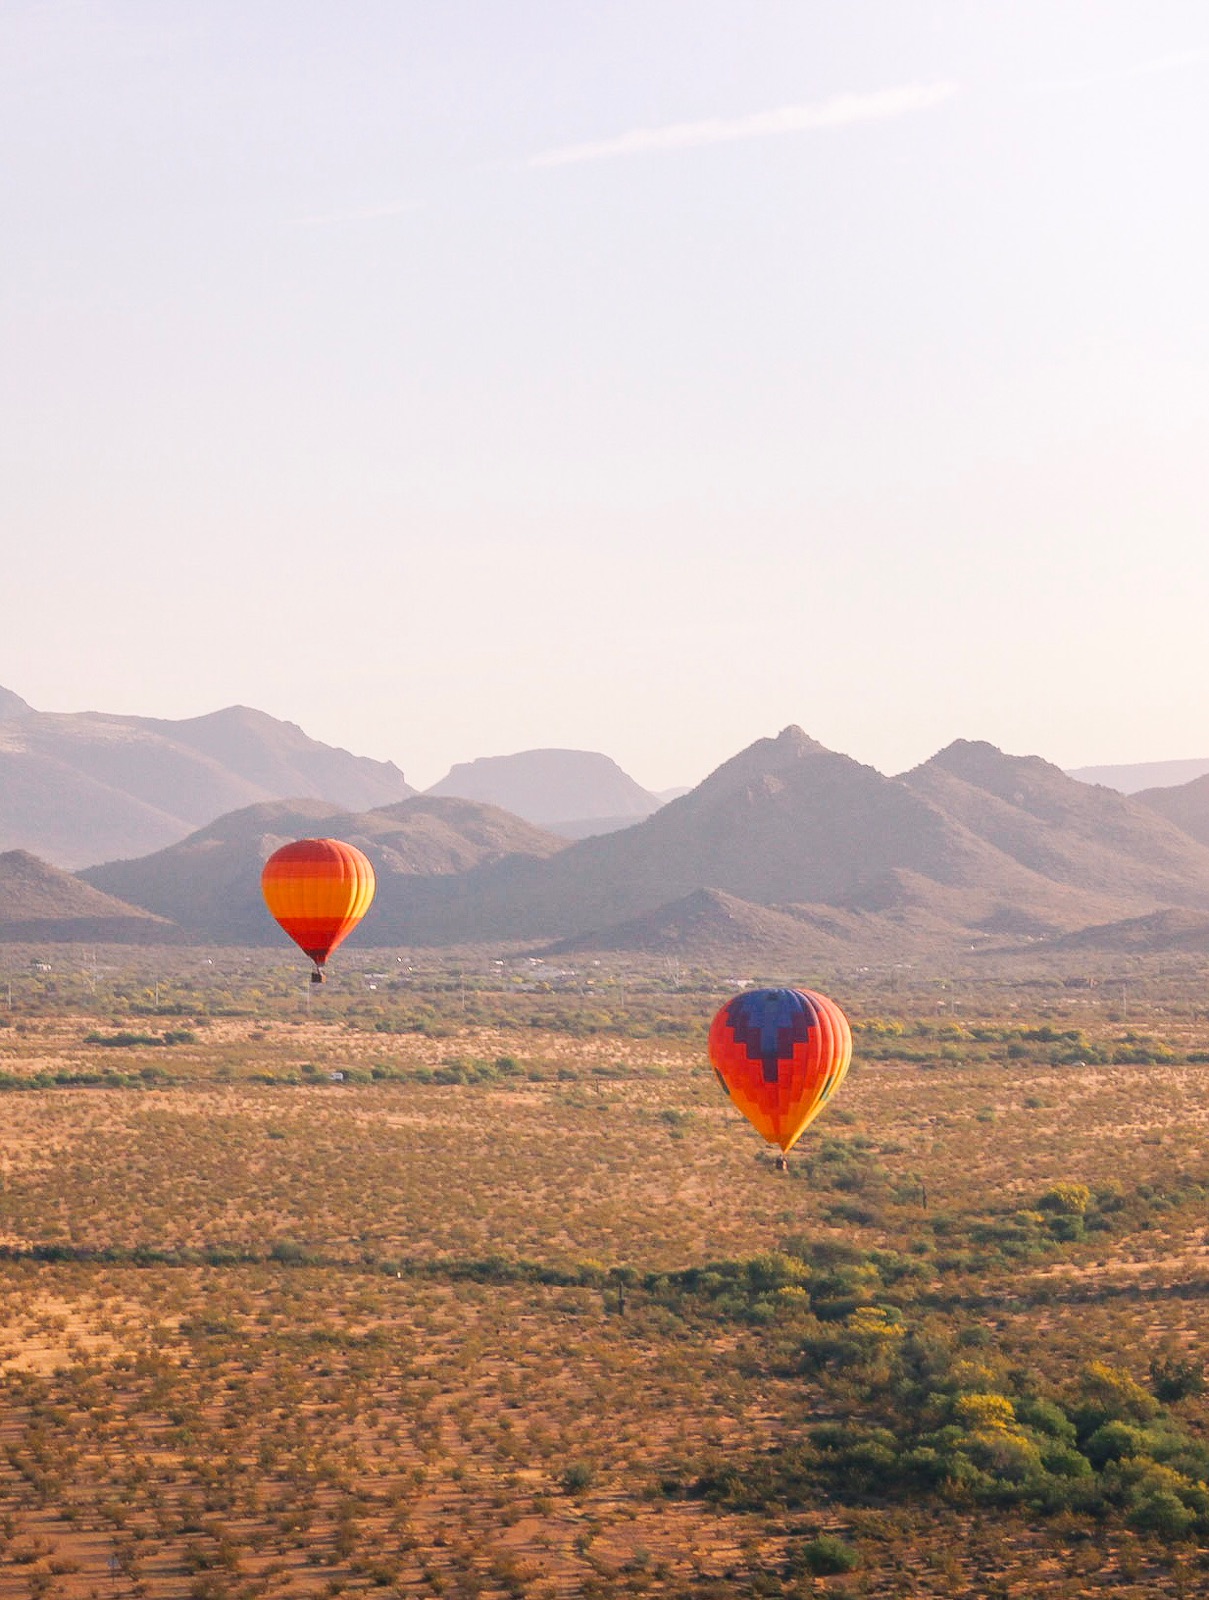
[(972, 842), (1186, 805), (1074, 834), (784, 822), (788, 844), (209, 883), (12, 705), (1184, 931), (78, 788), (281, 761), (38, 901), (708, 926)]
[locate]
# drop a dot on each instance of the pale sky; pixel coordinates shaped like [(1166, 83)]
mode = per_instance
[(459, 378)]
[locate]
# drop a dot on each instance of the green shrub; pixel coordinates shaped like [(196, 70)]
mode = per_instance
[(1066, 1199), (1110, 1395), (1115, 1441), (290, 1254), (1043, 1416), (824, 1556), (1061, 1460), (1173, 1378), (1067, 1228), (1160, 1512)]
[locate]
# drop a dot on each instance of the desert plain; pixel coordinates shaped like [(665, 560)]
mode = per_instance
[(462, 1277)]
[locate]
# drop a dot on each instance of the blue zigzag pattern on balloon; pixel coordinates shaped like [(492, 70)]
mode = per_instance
[(768, 1023)]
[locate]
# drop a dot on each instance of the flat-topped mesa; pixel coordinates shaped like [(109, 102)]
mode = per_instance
[(550, 786)]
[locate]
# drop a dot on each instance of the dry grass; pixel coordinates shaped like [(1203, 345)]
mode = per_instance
[(215, 1384)]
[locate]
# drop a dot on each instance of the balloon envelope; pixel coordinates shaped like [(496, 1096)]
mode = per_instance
[(780, 1054), (318, 889)]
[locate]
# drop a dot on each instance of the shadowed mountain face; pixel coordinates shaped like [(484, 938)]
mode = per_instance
[(75, 788), (565, 790), (1186, 805), (973, 841), (589, 827), (12, 705), (1083, 837), (280, 760), (787, 846), (788, 822), (710, 926), (38, 902), (1186, 931), (209, 883)]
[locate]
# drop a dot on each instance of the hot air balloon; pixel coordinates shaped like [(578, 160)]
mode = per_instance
[(318, 889), (780, 1054)]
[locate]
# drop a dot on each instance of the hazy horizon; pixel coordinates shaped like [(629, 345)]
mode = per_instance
[(458, 382), (1144, 774)]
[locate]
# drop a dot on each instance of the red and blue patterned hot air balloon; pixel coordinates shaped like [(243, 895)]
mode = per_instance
[(780, 1054)]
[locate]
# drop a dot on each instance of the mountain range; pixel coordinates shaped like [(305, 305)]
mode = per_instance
[(86, 786), (788, 847), (82, 787)]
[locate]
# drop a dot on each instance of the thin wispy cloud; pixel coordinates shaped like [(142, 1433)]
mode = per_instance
[(840, 111)]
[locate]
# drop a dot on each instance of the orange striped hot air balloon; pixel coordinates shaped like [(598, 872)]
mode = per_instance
[(318, 889), (780, 1054)]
